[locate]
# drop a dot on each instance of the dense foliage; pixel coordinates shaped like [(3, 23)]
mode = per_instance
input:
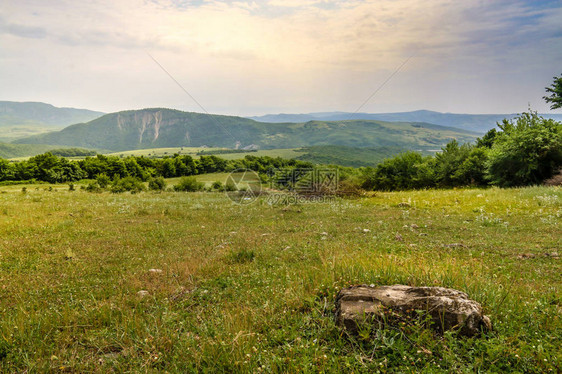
[(104, 169), (524, 151)]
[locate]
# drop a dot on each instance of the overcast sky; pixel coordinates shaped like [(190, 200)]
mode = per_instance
[(256, 57)]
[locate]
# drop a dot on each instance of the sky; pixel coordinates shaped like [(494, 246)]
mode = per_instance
[(281, 56)]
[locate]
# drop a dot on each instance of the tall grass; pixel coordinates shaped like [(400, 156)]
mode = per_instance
[(251, 288)]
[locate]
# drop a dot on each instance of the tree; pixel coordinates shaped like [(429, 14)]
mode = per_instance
[(7, 170), (555, 91), (447, 163), (488, 139), (527, 151), (405, 171)]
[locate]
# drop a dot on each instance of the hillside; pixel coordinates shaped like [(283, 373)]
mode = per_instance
[(23, 150), (472, 122), (347, 156), (21, 119), (25, 113), (158, 128)]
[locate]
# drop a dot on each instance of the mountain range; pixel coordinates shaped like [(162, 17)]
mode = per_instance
[(479, 123), (159, 127), (20, 119)]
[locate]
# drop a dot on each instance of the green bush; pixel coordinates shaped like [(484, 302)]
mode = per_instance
[(218, 186), (92, 186), (157, 184), (103, 180), (130, 184), (527, 151), (406, 171), (230, 186), (188, 184), (460, 165)]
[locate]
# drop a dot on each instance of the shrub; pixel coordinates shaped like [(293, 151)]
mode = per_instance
[(157, 184), (217, 185), (188, 184), (92, 186), (230, 186), (103, 180), (460, 165), (528, 151), (406, 171), (131, 184)]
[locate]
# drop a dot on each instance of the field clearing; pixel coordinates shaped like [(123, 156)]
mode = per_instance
[(161, 152), (251, 288), (283, 153), (209, 178)]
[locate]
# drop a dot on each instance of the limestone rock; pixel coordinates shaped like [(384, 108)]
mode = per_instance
[(448, 309)]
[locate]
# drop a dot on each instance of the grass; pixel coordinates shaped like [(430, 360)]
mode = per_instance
[(251, 288), (161, 152), (208, 179)]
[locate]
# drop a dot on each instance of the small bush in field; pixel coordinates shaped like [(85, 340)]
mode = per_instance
[(218, 186), (230, 186), (188, 184), (103, 180), (92, 186), (157, 184), (130, 184)]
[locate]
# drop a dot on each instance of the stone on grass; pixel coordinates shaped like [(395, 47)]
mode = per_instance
[(142, 293), (448, 309)]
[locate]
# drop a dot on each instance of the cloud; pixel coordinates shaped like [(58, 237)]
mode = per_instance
[(310, 49), (21, 30)]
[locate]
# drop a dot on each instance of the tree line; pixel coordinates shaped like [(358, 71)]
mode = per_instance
[(50, 168), (520, 152)]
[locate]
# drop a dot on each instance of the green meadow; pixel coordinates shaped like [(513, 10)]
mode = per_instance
[(251, 288), (192, 151)]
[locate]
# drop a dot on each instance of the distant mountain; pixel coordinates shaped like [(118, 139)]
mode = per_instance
[(20, 119), (155, 128), (23, 150), (23, 113), (472, 122)]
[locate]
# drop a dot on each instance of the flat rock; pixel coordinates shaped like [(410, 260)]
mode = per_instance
[(448, 309)]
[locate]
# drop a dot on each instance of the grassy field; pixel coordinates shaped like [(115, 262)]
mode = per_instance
[(161, 152), (251, 288)]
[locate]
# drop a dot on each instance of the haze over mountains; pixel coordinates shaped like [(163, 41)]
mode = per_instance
[(16, 113), (20, 119), (157, 127), (473, 122)]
